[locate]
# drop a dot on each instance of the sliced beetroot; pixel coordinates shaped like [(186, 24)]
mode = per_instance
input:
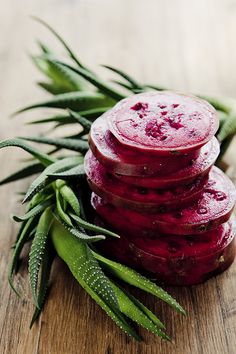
[(118, 159), (212, 209), (163, 122), (138, 198), (177, 260), (198, 167)]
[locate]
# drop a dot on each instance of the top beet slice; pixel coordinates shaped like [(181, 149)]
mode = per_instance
[(118, 159), (163, 122)]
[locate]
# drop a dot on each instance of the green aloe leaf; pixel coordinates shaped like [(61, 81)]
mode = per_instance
[(94, 112), (81, 262), (23, 173), (125, 76), (132, 277), (220, 104), (37, 209), (77, 101), (37, 251), (154, 87), (61, 40), (113, 313), (98, 83), (22, 237), (62, 77), (69, 196), (57, 118), (44, 48), (86, 124), (59, 215), (52, 88), (43, 180), (59, 204), (63, 119), (87, 226), (65, 143), (47, 262), (42, 157), (135, 313), (228, 128), (122, 84), (146, 311), (77, 171)]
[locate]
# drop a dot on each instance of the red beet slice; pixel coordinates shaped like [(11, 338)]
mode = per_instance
[(138, 198), (163, 122), (118, 159), (212, 209), (177, 260), (199, 167)]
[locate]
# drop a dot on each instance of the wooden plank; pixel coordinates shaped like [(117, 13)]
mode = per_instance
[(185, 45)]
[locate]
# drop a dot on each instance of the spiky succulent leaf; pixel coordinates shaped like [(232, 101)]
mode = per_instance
[(22, 237), (105, 88), (127, 77), (62, 77), (78, 145), (47, 262), (83, 265), (43, 180), (23, 173), (42, 157), (37, 251), (79, 234), (77, 171), (132, 277), (87, 226), (61, 40), (86, 124), (37, 209), (77, 101), (69, 196), (228, 128), (136, 313)]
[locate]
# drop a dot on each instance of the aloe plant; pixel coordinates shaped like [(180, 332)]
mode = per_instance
[(55, 219)]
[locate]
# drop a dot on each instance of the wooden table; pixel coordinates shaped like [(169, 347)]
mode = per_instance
[(183, 44)]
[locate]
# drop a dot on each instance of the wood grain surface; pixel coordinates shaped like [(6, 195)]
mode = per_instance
[(183, 44)]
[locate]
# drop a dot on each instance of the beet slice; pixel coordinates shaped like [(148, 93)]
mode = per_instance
[(212, 209), (177, 260), (163, 122), (118, 159), (138, 198), (199, 167)]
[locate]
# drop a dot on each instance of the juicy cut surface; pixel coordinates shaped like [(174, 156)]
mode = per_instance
[(163, 122)]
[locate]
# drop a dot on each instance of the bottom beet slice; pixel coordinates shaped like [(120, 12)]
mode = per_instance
[(175, 260), (138, 198)]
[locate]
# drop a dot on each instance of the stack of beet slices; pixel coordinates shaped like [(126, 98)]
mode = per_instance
[(150, 168)]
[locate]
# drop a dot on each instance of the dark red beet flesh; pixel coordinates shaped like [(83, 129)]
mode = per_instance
[(199, 167), (173, 260), (213, 208), (163, 122), (151, 166), (118, 159), (138, 198)]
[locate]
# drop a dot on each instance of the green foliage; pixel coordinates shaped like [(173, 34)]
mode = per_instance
[(77, 101), (37, 251), (65, 143), (24, 172)]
